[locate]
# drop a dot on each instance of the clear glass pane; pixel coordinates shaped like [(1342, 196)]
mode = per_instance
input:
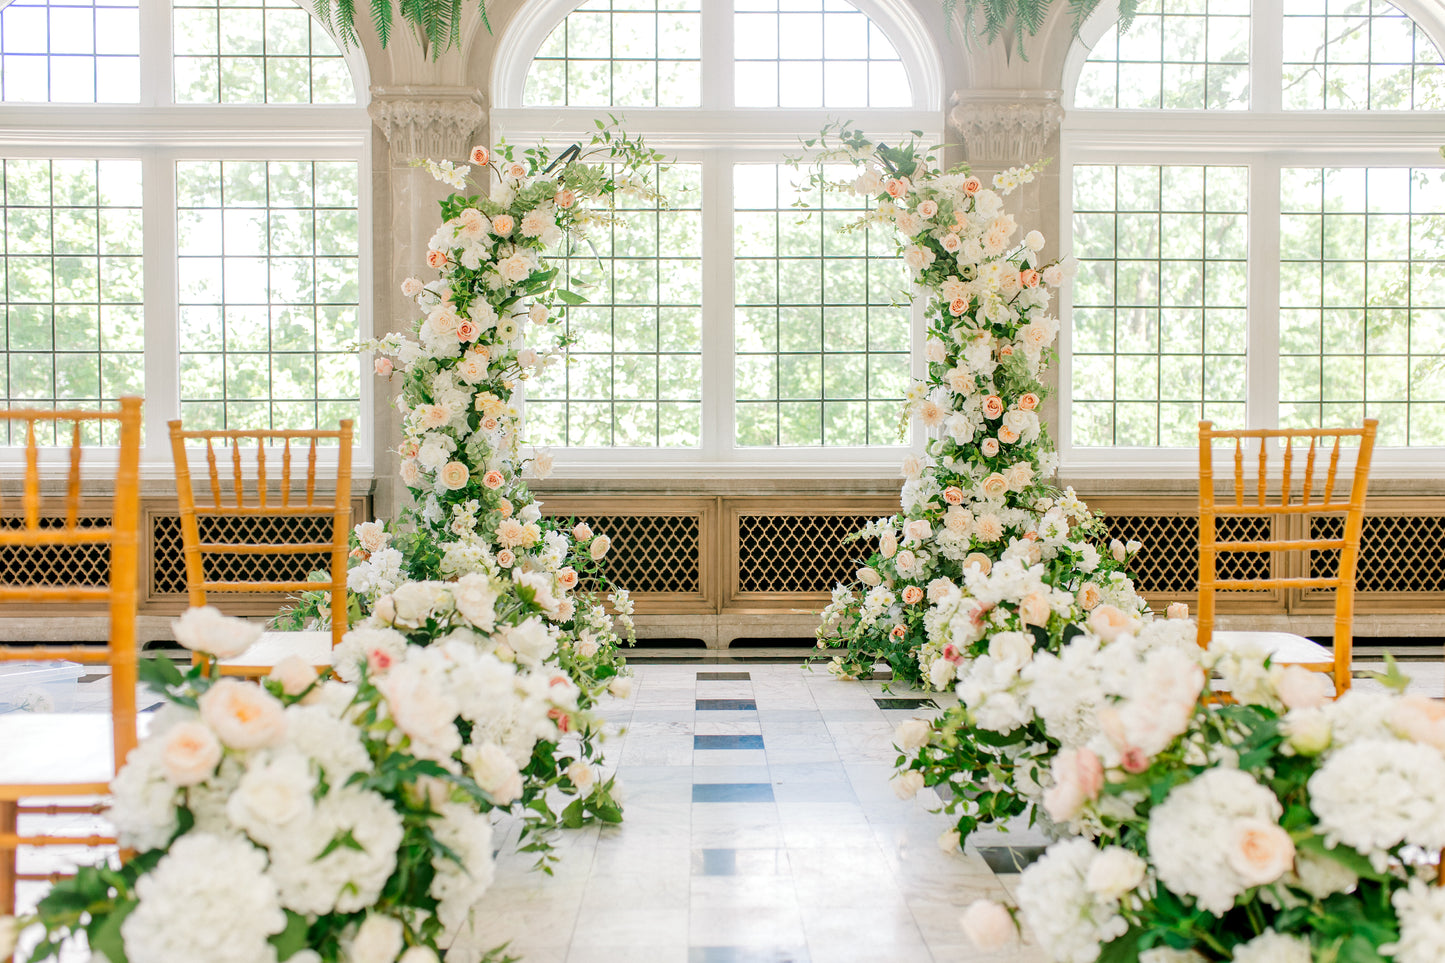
[(255, 52), (626, 53), (74, 51), (1358, 55)]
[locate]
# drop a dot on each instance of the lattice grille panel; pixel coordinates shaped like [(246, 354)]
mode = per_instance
[(1398, 553), (55, 564), (799, 553), (168, 573), (1169, 561), (651, 553)]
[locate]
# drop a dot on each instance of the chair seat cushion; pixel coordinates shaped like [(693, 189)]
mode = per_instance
[(60, 748), (1285, 648), (259, 659)]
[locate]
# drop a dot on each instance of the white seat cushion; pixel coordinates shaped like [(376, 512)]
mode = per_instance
[(314, 647), (59, 747), (1285, 648)]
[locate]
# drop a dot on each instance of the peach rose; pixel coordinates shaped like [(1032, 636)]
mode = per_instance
[(436, 259), (467, 330), (567, 578), (506, 558), (898, 632), (1108, 622), (601, 545), (957, 306), (190, 754), (581, 531), (1078, 778), (1019, 475), (927, 209), (912, 595), (951, 242), (565, 198), (989, 447), (972, 186), (1034, 609), (953, 495), (480, 156), (493, 479), (981, 560), (1007, 435), (1299, 688), (503, 224), (504, 507), (1028, 401), (1089, 597), (517, 170), (243, 716), (295, 675), (918, 529), (993, 407), (454, 475), (1259, 851), (1177, 610), (383, 367), (1029, 278), (896, 187), (411, 287), (994, 486)]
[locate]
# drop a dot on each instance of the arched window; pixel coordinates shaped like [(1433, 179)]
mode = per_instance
[(730, 327), (158, 240), (1272, 252)]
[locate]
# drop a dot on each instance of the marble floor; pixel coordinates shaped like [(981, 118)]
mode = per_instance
[(760, 827)]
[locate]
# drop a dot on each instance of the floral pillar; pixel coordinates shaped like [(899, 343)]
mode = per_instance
[(1009, 128), (417, 122)]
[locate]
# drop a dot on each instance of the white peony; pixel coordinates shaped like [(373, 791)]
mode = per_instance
[(422, 704), (476, 601), (208, 898), (460, 882), (205, 629)]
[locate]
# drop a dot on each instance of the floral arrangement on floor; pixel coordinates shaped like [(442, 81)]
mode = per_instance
[(1266, 826), (476, 540), (986, 565), (311, 820)]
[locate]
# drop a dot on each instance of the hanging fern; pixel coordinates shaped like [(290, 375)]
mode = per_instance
[(991, 19), (437, 23)]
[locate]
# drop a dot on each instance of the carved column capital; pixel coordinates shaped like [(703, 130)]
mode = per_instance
[(1005, 128), (427, 122)]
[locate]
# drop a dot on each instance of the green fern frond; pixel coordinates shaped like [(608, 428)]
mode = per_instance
[(1127, 10), (381, 18), (346, 22)]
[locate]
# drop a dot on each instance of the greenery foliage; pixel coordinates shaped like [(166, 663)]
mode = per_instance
[(992, 19)]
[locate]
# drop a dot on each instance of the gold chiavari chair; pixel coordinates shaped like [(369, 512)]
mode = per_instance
[(246, 493), (73, 753), (1288, 649)]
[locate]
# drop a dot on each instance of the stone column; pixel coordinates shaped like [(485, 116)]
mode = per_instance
[(417, 123), (1012, 128)]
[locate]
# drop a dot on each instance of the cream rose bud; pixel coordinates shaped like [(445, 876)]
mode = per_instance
[(205, 629), (581, 532), (989, 447), (907, 784), (1177, 610), (988, 925), (1307, 731), (1259, 851), (385, 609), (9, 935), (295, 676), (454, 475), (1114, 872), (417, 954), (243, 716), (948, 840), (581, 774), (869, 577), (379, 939), (600, 547), (1299, 688), (621, 687), (1116, 549), (913, 734), (537, 313), (1034, 240), (190, 754)]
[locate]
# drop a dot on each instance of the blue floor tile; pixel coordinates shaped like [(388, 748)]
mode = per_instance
[(727, 742), (721, 705), (728, 792)]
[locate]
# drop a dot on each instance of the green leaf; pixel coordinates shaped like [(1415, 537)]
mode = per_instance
[(103, 933), (570, 297), (344, 839), (292, 939)]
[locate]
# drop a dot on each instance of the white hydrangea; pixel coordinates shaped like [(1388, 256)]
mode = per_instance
[(1421, 909), (1070, 921), (333, 743), (460, 883), (143, 802), (350, 877), (1375, 794), (208, 898), (1192, 835)]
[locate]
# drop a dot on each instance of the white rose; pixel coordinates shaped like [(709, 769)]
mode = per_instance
[(190, 754), (600, 547), (379, 939), (948, 840), (1012, 648), (242, 715), (494, 771), (913, 734), (581, 775), (1114, 872), (372, 536), (1259, 851), (621, 687), (907, 784), (1299, 688), (205, 629), (1034, 240), (869, 577), (1307, 731), (295, 676), (417, 954), (272, 796), (988, 925)]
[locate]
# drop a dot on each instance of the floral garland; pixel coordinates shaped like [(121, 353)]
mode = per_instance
[(1277, 827), (313, 821), (987, 564)]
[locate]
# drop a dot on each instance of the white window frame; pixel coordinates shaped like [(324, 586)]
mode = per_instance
[(158, 133), (1265, 139), (717, 136)]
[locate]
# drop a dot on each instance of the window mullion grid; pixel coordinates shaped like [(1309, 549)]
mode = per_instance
[(159, 245), (1262, 398), (717, 362)]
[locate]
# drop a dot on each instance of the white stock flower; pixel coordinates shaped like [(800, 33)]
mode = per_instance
[(205, 629), (209, 898)]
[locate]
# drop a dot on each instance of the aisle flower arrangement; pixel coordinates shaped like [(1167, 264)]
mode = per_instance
[(476, 540), (987, 564), (1271, 826), (312, 820)]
